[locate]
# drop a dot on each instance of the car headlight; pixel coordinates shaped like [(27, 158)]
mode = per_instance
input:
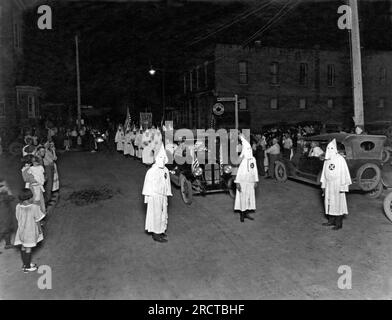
[(198, 172), (227, 169)]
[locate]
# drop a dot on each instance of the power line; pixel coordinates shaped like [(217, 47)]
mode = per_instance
[(262, 29), (272, 21), (239, 18)]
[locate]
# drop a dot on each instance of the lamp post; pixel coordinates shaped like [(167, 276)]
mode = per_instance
[(152, 72)]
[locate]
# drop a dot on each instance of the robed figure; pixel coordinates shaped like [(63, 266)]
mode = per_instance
[(335, 181), (156, 189), (148, 148), (119, 139), (246, 181)]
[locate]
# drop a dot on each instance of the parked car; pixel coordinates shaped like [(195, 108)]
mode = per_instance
[(363, 154), (197, 178)]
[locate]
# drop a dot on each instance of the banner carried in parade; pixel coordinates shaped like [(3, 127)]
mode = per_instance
[(146, 119)]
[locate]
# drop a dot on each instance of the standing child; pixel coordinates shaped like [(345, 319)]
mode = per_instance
[(79, 141), (29, 231), (67, 140), (7, 219), (34, 176)]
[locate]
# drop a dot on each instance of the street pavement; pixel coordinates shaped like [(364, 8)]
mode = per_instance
[(101, 251)]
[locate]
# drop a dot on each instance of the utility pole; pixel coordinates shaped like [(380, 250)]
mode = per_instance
[(236, 110), (356, 65), (163, 94), (78, 81)]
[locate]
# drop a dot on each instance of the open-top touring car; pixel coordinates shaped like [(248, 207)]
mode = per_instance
[(363, 154), (197, 175)]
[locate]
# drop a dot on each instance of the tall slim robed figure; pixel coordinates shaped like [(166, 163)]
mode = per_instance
[(246, 181), (156, 189), (335, 180)]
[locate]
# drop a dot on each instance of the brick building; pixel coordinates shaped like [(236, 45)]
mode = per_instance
[(19, 104), (273, 84), (377, 87)]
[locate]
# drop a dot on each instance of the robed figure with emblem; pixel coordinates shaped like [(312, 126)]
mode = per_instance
[(335, 180), (246, 182), (156, 189)]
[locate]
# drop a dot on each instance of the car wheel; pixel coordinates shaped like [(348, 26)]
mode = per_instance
[(376, 192), (231, 186), (186, 190), (388, 206), (280, 171), (385, 156), (15, 149), (368, 176)]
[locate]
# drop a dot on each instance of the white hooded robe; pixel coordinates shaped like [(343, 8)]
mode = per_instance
[(128, 147), (138, 143), (119, 139), (156, 189), (335, 178), (147, 154), (247, 176)]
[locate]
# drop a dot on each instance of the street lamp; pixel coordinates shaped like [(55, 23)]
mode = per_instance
[(152, 72)]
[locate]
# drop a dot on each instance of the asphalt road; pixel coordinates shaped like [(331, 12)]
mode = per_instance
[(101, 251)]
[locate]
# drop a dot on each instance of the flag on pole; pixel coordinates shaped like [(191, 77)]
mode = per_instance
[(195, 162), (128, 120), (213, 121)]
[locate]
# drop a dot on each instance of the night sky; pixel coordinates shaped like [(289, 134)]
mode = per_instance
[(119, 41)]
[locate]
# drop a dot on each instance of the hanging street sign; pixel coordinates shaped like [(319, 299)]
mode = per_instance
[(225, 99)]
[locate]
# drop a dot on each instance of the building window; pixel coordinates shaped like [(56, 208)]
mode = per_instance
[(190, 80), (184, 80), (17, 35), (206, 74), (201, 77), (242, 104), (274, 71), (302, 103), (31, 107), (197, 78), (18, 98), (303, 74), (330, 103), (194, 79), (331, 75), (274, 103), (381, 103), (243, 72), (2, 108), (383, 76)]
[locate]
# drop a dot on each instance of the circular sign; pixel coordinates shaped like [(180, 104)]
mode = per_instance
[(218, 109)]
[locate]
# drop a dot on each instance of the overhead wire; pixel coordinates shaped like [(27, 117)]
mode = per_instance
[(226, 25)]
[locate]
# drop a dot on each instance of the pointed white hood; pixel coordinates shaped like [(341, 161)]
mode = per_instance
[(161, 158), (246, 148), (332, 150)]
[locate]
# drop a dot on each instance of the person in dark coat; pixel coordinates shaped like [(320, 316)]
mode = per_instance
[(7, 217)]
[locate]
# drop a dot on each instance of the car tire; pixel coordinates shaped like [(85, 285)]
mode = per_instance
[(186, 190), (386, 155), (376, 192), (15, 148), (231, 186), (368, 184), (280, 171), (388, 206)]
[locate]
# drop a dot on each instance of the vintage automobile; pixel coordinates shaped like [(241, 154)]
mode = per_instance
[(363, 154), (196, 178)]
